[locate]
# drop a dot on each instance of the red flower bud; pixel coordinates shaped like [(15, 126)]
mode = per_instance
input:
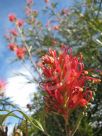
[(12, 46), (83, 102), (14, 32), (46, 1), (12, 17), (2, 85), (56, 27), (20, 22), (20, 52)]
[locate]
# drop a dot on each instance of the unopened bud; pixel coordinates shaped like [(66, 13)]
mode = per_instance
[(81, 89), (85, 72), (99, 80), (96, 81), (46, 1)]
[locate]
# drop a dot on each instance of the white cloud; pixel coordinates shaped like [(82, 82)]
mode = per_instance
[(18, 89)]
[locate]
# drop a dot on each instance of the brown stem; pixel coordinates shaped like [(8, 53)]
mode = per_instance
[(66, 128), (26, 128), (77, 124)]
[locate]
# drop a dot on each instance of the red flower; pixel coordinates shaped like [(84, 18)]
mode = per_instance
[(2, 85), (12, 17), (14, 32), (56, 27), (83, 102), (20, 52), (20, 22), (65, 80), (29, 1), (46, 1), (12, 46)]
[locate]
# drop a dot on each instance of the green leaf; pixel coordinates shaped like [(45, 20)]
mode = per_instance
[(3, 117), (54, 5), (37, 124), (89, 2)]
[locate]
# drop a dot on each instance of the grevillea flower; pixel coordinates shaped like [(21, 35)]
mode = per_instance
[(20, 52), (65, 81), (12, 46), (14, 32), (12, 17), (46, 1), (20, 22)]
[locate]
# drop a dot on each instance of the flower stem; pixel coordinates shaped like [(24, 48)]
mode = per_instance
[(29, 53), (66, 129), (77, 124), (26, 127)]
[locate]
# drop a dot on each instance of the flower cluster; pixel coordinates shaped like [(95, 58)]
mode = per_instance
[(12, 18), (65, 81), (20, 51)]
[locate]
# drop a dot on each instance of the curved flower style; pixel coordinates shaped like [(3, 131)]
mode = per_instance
[(65, 81)]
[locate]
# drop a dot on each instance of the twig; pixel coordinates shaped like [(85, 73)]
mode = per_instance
[(29, 53)]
